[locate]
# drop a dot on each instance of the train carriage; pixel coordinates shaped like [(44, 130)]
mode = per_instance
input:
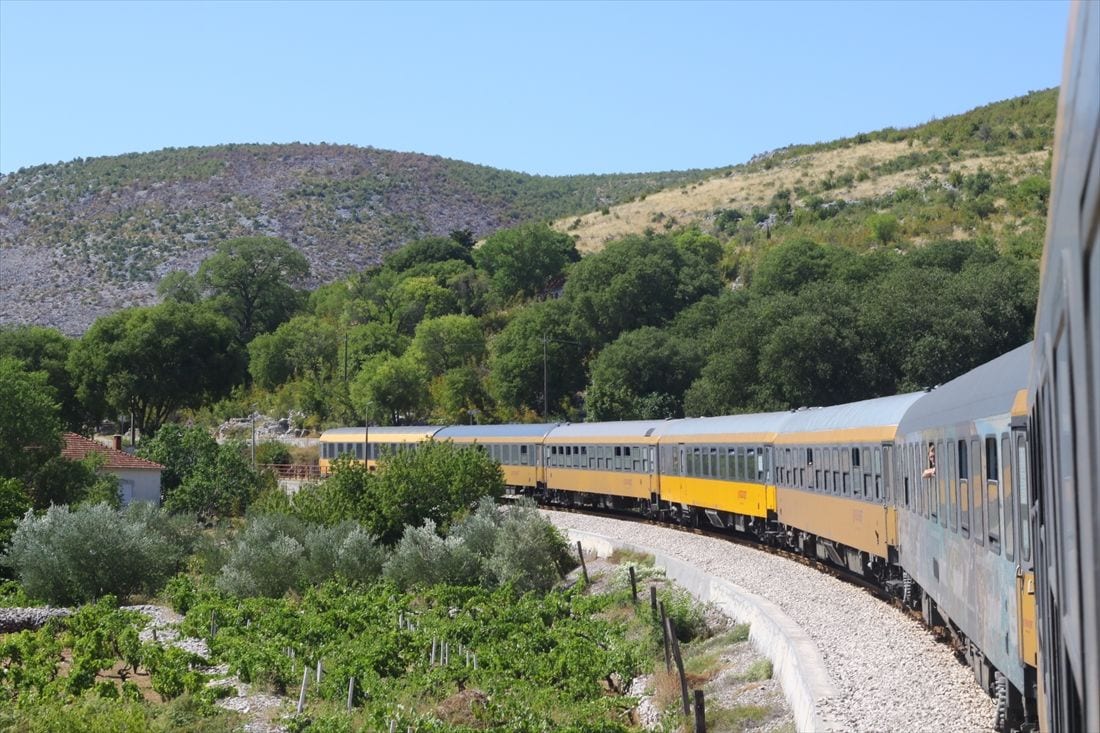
[(834, 481), (722, 467), (352, 442), (963, 522), (518, 448), (1065, 398), (610, 464)]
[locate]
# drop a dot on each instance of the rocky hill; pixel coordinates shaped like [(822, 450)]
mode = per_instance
[(85, 238)]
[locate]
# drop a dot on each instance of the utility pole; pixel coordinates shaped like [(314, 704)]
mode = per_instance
[(253, 416), (545, 390)]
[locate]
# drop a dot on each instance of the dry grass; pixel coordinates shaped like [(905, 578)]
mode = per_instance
[(682, 206)]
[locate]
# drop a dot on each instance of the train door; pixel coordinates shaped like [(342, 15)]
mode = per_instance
[(540, 466), (1020, 493)]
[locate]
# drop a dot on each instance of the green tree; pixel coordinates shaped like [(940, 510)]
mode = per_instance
[(181, 450), (434, 482), (63, 481), (154, 361), (516, 358), (222, 487), (448, 342), (884, 227), (459, 396), (179, 286), (636, 282), (430, 249), (642, 375), (251, 280), (30, 431), (395, 387), (305, 347), (522, 260), (46, 350), (68, 556), (790, 265), (14, 503)]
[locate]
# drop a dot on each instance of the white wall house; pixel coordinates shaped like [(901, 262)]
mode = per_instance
[(138, 479)]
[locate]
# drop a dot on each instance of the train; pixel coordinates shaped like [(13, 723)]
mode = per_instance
[(976, 502)]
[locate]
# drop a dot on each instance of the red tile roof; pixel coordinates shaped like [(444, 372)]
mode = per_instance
[(76, 447)]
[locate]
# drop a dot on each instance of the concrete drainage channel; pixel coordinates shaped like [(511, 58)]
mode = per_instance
[(795, 658)]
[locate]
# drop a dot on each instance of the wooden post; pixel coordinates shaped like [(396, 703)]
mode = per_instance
[(302, 694), (633, 584), (700, 713), (653, 598), (665, 634), (584, 568), (318, 671), (351, 692), (679, 667)]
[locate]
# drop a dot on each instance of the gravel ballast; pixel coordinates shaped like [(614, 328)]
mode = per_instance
[(890, 673)]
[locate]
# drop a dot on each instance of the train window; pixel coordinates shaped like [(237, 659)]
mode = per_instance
[(887, 474), (977, 503), (964, 491), (1023, 490), (713, 461), (878, 473), (730, 462), (845, 472), (941, 482), (931, 506), (952, 509), (618, 458), (524, 455), (992, 495), (636, 459), (768, 459), (1006, 495), (646, 458)]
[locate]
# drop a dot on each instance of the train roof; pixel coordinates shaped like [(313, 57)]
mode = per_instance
[(864, 421), (757, 426), (490, 432), (986, 391), (387, 434), (629, 431)]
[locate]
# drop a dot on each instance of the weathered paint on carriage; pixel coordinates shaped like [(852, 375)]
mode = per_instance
[(852, 522), (969, 587), (739, 497)]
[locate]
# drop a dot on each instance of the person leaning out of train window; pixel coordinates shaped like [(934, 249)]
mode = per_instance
[(931, 470)]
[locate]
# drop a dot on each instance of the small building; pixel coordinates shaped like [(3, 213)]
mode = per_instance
[(138, 479)]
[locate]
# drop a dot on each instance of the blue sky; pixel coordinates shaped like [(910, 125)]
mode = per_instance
[(546, 88)]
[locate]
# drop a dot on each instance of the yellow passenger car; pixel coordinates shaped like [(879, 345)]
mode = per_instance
[(612, 464), (518, 449), (835, 482), (352, 442), (720, 468)]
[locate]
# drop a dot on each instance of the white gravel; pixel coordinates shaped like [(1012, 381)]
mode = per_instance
[(892, 675)]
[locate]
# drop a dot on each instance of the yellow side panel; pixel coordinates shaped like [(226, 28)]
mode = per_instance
[(636, 485), (1025, 591), (891, 526), (853, 523), (730, 496), (772, 503), (519, 475)]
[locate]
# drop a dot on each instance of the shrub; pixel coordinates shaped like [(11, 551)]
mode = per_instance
[(266, 559), (70, 556), (423, 558)]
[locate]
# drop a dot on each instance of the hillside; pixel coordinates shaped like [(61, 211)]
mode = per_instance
[(85, 238), (853, 177)]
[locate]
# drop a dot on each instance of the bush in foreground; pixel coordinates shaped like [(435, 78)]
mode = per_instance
[(67, 556)]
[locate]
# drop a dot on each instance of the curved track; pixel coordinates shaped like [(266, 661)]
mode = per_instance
[(889, 671)]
